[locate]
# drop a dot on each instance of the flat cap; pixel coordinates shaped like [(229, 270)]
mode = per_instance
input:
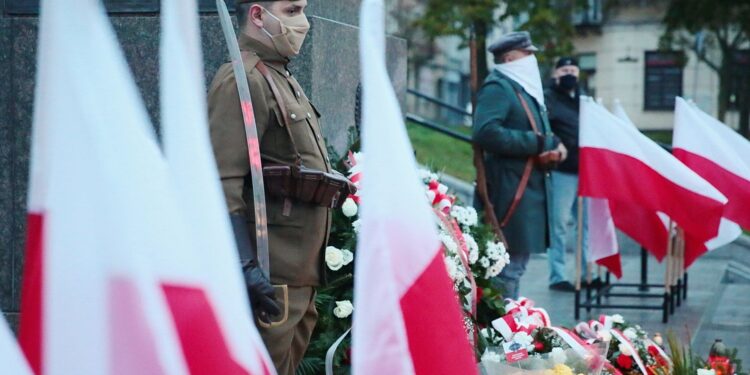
[(252, 1), (512, 41)]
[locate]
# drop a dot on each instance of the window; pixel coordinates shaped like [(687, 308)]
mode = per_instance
[(663, 80), (587, 63)]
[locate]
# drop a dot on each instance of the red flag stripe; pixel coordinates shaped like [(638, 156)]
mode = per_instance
[(203, 343), (437, 344), (734, 187), (637, 183), (642, 225), (30, 329), (613, 264)]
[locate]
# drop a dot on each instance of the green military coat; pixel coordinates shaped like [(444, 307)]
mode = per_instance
[(295, 241), (502, 129)]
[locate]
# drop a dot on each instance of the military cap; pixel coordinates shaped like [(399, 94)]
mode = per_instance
[(566, 61), (512, 41)]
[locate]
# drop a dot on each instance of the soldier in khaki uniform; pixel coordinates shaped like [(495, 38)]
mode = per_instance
[(272, 32)]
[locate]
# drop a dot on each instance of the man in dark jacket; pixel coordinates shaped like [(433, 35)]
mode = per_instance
[(511, 126), (562, 103)]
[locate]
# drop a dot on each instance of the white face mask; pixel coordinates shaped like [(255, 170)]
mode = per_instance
[(289, 42), (525, 71)]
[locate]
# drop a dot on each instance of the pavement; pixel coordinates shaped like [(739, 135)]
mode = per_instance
[(717, 305)]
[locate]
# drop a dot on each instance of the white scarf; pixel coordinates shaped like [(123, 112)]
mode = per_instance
[(525, 71)]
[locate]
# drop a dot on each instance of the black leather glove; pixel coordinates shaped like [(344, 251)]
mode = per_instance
[(259, 289)]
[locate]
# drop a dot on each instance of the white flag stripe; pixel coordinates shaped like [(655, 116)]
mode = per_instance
[(706, 136), (196, 182), (627, 140)]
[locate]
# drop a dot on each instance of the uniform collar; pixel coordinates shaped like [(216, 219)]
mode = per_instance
[(266, 54)]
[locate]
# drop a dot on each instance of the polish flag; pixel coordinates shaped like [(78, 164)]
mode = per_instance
[(407, 318), (721, 156), (603, 237), (113, 283), (11, 357), (639, 178)]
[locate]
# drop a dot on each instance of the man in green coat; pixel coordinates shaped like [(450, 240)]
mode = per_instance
[(511, 127)]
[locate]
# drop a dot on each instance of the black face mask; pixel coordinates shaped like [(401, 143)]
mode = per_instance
[(568, 82)]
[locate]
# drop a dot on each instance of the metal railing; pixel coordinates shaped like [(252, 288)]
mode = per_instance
[(435, 125)]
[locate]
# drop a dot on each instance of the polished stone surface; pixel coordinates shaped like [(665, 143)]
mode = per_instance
[(6, 172), (328, 70)]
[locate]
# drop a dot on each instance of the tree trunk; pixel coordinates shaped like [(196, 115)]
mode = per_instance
[(478, 58), (724, 85)]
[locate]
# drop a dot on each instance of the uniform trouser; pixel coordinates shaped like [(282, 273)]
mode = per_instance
[(287, 338), (509, 280), (564, 208)]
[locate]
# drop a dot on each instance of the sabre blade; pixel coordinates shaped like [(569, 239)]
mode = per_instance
[(251, 131)]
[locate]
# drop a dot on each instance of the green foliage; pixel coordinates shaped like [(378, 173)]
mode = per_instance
[(450, 17), (683, 360), (442, 153)]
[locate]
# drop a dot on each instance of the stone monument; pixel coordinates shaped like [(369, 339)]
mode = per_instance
[(327, 68)]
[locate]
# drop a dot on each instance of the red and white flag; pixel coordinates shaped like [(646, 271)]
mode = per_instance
[(640, 178), (602, 236), (721, 156), (118, 281), (407, 318), (11, 357)]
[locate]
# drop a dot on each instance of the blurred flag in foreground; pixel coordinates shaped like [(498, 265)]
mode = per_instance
[(407, 319), (13, 361), (118, 282)]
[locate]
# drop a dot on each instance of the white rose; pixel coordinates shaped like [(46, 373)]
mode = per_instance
[(525, 340), (617, 318), (343, 309), (349, 208), (604, 336), (630, 333), (702, 371), (348, 256), (334, 258), (558, 356), (625, 350), (356, 225)]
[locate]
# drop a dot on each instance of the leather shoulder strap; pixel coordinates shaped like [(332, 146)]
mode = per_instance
[(282, 106)]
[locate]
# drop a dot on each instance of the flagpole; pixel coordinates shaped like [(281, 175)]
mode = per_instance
[(579, 244)]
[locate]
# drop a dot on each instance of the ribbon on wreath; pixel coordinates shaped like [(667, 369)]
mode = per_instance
[(593, 331), (585, 349), (355, 175), (451, 227), (520, 316), (437, 194)]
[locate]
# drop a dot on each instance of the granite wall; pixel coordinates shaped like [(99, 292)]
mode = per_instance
[(327, 68)]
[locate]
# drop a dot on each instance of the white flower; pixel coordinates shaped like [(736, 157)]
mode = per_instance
[(454, 270), (558, 356), (625, 350), (471, 244), (484, 262), (343, 309), (334, 258), (442, 189), (495, 250), (348, 256), (356, 225), (466, 216), (630, 333), (449, 243), (490, 356), (617, 318), (525, 340), (604, 335), (702, 371), (349, 208), (493, 271)]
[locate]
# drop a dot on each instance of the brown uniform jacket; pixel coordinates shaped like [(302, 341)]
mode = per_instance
[(295, 241)]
